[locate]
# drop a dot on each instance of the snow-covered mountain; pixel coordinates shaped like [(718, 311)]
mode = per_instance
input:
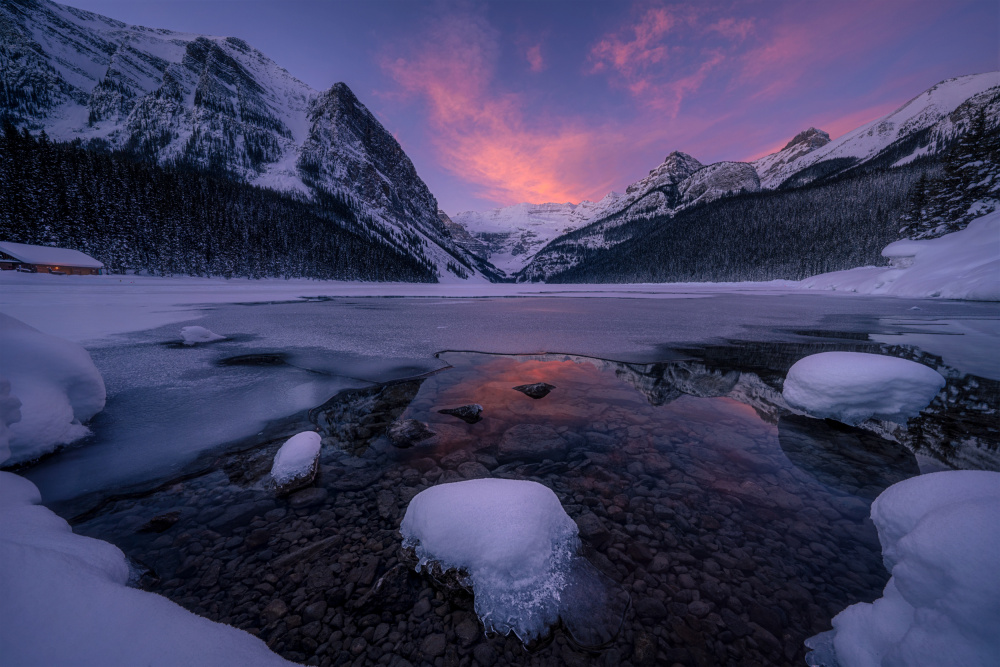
[(509, 237), (925, 125), (215, 103)]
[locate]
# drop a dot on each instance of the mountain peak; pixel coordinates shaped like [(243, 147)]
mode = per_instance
[(811, 138)]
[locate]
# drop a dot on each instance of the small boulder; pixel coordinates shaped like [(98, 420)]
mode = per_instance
[(470, 414), (536, 390), (407, 432)]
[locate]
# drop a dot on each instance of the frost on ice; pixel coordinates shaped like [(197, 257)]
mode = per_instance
[(940, 539), (853, 386), (513, 539), (57, 384), (296, 460), (194, 334)]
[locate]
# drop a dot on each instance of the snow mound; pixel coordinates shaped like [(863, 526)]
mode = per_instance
[(296, 458), (853, 386), (195, 334), (513, 539), (57, 384), (940, 538), (960, 265), (65, 601)]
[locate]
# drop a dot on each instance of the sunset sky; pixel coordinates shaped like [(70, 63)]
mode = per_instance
[(503, 102)]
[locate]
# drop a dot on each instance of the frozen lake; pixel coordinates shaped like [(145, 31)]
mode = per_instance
[(734, 526)]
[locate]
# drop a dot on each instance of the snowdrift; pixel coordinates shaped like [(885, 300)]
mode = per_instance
[(960, 265), (57, 384)]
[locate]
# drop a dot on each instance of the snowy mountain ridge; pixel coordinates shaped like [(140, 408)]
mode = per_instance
[(215, 103), (925, 125)]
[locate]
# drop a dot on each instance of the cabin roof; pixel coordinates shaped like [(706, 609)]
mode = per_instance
[(40, 254)]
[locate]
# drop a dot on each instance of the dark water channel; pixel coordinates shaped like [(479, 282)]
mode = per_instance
[(736, 527)]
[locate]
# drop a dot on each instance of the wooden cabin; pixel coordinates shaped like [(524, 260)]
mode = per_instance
[(46, 259)]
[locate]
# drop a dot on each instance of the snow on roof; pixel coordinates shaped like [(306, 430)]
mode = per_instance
[(40, 254)]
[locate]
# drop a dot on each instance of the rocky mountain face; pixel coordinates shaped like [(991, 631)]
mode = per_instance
[(219, 104), (678, 183), (926, 125)]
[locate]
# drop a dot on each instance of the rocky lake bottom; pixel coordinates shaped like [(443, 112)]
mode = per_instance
[(726, 527)]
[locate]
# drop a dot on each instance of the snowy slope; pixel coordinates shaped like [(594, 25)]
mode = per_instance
[(961, 265), (216, 103), (923, 125)]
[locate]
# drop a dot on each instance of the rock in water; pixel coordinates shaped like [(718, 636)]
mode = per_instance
[(408, 432), (296, 463), (537, 390), (940, 537), (513, 543), (470, 414), (853, 386)]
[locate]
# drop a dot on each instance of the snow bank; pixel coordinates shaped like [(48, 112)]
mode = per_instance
[(511, 536), (195, 334), (296, 458), (852, 386), (65, 601), (57, 384), (940, 539), (960, 265), (10, 412)]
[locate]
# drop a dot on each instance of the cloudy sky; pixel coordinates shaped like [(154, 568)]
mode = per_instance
[(508, 101)]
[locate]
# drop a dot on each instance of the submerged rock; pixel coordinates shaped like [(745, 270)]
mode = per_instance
[(536, 390), (470, 414), (531, 442), (408, 432)]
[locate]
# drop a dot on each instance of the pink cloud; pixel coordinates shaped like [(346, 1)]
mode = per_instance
[(483, 135), (534, 57)]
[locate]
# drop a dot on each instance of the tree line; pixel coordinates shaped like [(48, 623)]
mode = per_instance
[(133, 215)]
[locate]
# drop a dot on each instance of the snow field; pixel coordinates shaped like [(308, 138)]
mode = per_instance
[(940, 538), (57, 384), (853, 386), (296, 457), (512, 537)]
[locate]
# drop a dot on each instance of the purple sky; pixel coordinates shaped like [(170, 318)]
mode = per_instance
[(502, 102)]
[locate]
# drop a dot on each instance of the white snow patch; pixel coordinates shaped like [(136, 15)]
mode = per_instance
[(853, 386), (512, 537), (296, 457), (960, 265), (940, 539), (194, 334), (65, 601), (57, 384)]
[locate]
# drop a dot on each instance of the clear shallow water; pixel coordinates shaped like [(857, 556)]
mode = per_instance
[(735, 527)]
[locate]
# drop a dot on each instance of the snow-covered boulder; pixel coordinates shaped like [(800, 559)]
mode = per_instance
[(65, 601), (512, 537), (295, 462), (57, 384), (940, 539), (853, 386), (960, 265), (194, 334)]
